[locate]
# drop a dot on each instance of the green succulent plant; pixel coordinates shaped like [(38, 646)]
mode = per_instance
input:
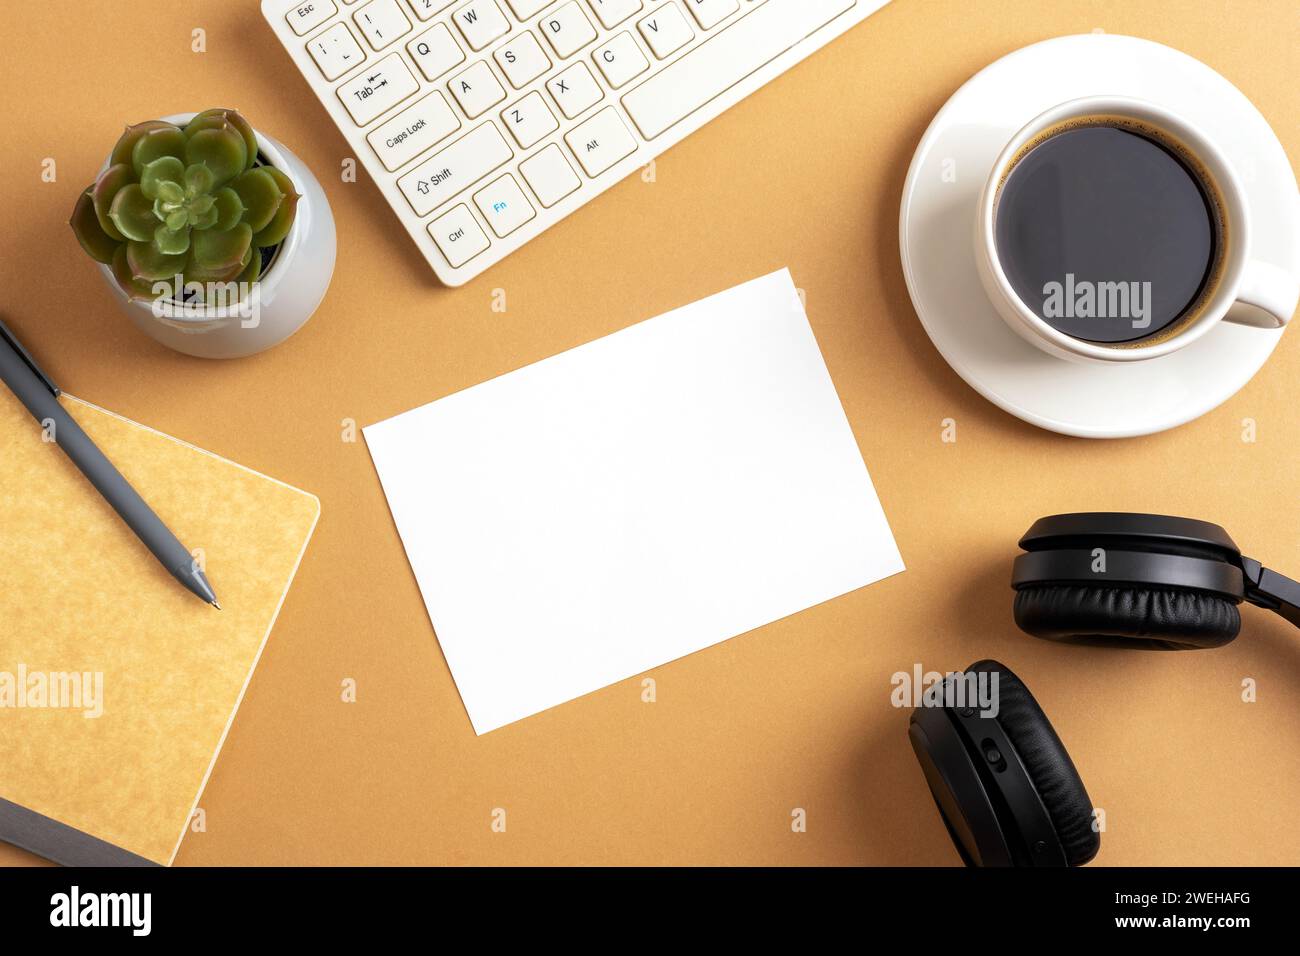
[(191, 202)]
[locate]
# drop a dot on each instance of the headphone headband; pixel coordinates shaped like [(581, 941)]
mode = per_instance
[(1121, 524), (1275, 592)]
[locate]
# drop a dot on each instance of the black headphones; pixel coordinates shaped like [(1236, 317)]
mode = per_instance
[(1140, 580), (1002, 780)]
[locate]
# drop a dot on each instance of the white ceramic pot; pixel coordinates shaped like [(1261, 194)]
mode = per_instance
[(288, 292)]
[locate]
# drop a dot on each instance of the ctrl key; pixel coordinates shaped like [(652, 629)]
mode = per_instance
[(458, 235)]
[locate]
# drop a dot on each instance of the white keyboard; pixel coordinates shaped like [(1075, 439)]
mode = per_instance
[(484, 122)]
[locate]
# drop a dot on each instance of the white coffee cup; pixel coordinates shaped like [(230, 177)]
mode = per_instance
[(1248, 291)]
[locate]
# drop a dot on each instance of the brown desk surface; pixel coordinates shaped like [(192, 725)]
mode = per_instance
[(806, 173)]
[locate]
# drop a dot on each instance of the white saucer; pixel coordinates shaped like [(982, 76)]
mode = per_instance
[(936, 225)]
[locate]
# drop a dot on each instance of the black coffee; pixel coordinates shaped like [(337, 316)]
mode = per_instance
[(1107, 233)]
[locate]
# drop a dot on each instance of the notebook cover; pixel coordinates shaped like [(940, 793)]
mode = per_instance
[(82, 602)]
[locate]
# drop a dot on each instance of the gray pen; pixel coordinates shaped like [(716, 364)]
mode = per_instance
[(41, 396)]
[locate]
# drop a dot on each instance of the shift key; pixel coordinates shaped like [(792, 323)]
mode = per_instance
[(450, 170)]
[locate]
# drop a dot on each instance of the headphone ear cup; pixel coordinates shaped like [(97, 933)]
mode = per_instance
[(1047, 762), (1162, 618)]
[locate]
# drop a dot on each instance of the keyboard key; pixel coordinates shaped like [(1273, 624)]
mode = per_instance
[(522, 59), (481, 22), (526, 8), (709, 13), (530, 120), (685, 85), (378, 89), (666, 30), (504, 205), (567, 29), (305, 17), (336, 51), (454, 167), (435, 52), (614, 12), (412, 131), (601, 141), (476, 89), (575, 89), (382, 22), (550, 175), (620, 60), (458, 236), (424, 9)]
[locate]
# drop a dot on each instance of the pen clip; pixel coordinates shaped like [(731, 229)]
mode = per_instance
[(26, 356)]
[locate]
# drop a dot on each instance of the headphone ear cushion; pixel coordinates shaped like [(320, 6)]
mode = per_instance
[(1048, 764), (1148, 617)]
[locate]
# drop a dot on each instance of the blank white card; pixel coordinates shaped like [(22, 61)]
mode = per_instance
[(632, 500)]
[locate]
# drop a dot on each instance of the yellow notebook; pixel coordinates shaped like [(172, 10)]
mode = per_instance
[(117, 686)]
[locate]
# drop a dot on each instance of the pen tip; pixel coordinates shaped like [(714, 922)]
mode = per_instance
[(216, 605)]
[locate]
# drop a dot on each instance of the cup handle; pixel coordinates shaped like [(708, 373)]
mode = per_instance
[(1267, 297)]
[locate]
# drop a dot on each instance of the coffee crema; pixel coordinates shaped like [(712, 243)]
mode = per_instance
[(1111, 230)]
